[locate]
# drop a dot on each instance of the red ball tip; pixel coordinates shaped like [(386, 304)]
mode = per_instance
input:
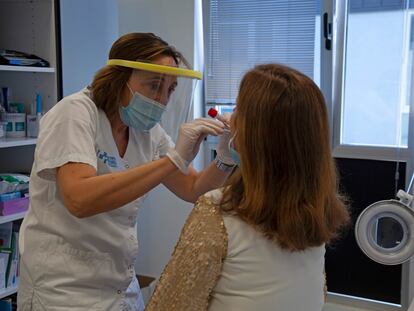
[(212, 112)]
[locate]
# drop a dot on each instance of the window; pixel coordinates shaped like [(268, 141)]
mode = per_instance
[(372, 101), (242, 34), (367, 82), (377, 74)]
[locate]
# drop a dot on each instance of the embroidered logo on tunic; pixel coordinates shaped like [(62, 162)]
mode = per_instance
[(106, 159)]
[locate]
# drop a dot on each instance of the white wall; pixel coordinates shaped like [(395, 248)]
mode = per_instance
[(85, 48), (163, 214), (86, 44), (171, 20)]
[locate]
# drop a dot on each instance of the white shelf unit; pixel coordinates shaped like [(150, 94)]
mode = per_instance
[(16, 142), (8, 291), (28, 26), (27, 69), (8, 218)]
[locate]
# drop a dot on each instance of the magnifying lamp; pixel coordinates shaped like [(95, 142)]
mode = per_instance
[(384, 231)]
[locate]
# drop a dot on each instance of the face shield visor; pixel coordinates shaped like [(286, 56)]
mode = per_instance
[(161, 91)]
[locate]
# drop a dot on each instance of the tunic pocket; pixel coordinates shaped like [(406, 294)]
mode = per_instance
[(70, 277)]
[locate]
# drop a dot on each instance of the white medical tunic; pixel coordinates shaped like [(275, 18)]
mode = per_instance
[(68, 263)]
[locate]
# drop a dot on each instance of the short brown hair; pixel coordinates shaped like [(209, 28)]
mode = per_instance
[(287, 184), (109, 81)]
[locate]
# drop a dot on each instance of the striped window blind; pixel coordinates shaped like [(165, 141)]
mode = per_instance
[(244, 33)]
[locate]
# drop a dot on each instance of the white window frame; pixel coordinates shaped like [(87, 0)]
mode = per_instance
[(331, 84), (339, 9)]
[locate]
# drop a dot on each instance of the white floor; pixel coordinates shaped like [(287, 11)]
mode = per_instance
[(336, 307), (329, 306)]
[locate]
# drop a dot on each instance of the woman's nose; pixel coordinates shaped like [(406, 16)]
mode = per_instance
[(163, 97)]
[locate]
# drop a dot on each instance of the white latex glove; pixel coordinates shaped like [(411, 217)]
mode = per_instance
[(189, 139), (222, 149)]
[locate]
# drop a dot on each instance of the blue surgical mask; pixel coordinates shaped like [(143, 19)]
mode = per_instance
[(233, 153), (142, 113)]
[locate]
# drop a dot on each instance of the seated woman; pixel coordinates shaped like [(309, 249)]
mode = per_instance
[(259, 242)]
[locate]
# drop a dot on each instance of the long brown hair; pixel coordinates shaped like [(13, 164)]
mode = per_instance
[(287, 183), (109, 81)]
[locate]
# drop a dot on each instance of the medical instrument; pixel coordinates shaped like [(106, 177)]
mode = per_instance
[(384, 230), (225, 159), (215, 115), (189, 140)]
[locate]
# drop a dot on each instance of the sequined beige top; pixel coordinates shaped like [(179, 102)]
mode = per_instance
[(222, 263), (196, 263)]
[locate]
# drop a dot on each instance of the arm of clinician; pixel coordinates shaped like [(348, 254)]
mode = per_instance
[(195, 266), (190, 187), (86, 194)]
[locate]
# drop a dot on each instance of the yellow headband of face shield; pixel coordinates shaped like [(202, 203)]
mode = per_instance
[(156, 68)]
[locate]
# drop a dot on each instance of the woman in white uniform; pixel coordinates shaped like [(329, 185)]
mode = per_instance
[(259, 242), (99, 152)]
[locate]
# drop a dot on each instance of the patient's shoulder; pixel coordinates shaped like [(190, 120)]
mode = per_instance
[(207, 211), (212, 197)]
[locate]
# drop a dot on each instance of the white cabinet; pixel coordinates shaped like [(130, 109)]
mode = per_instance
[(3, 219), (27, 26)]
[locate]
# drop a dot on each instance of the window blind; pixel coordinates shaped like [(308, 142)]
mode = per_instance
[(244, 33), (357, 6)]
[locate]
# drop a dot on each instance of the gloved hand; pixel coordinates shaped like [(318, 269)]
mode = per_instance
[(189, 139), (222, 149)]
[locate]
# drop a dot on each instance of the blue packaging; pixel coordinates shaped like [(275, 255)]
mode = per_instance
[(38, 104), (6, 305), (10, 196)]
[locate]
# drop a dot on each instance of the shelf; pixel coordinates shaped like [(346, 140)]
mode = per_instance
[(26, 68), (8, 291), (8, 218), (26, 1), (15, 142)]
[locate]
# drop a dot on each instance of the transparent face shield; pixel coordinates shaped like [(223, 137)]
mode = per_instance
[(160, 90)]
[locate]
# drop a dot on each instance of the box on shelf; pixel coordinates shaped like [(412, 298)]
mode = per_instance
[(3, 126), (16, 124), (14, 206), (33, 122)]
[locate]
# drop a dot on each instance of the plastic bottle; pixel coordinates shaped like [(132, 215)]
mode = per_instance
[(5, 95), (38, 105), (33, 120)]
